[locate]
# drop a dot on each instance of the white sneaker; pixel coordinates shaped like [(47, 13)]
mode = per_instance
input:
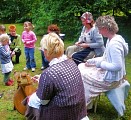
[(25, 68), (33, 69), (42, 68)]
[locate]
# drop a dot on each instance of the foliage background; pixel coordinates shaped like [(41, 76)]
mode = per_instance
[(64, 13)]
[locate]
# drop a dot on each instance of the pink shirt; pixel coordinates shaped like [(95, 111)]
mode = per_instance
[(29, 39)]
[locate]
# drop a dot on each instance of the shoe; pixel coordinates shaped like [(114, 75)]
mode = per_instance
[(42, 68), (11, 80), (25, 68), (9, 83), (33, 69)]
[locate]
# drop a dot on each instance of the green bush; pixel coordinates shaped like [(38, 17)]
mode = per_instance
[(56, 13)]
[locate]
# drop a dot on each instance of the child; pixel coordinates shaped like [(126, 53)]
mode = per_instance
[(15, 42), (3, 31), (5, 58), (29, 39)]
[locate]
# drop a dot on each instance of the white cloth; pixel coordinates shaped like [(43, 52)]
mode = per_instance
[(85, 118), (117, 97), (8, 67), (34, 101)]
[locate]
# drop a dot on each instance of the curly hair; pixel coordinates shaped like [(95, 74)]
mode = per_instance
[(4, 37), (53, 44), (107, 22), (54, 28), (12, 28)]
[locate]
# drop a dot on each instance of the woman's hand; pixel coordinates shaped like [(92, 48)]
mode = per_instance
[(90, 62), (36, 78), (77, 43), (84, 45)]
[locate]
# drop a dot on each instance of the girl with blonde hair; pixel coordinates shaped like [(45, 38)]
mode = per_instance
[(29, 39), (5, 59)]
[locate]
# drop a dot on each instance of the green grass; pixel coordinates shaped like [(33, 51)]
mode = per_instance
[(105, 110)]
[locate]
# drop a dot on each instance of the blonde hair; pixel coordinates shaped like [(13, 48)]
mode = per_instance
[(31, 26), (107, 22), (4, 37), (2, 28), (53, 44)]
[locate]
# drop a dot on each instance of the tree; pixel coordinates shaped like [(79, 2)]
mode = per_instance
[(65, 14)]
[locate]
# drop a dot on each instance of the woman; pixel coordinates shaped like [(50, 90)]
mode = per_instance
[(60, 94), (107, 72), (89, 40)]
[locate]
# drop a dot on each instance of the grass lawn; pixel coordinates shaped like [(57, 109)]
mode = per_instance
[(105, 110)]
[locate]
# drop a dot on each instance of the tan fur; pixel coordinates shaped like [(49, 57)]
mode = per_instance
[(20, 76), (25, 88)]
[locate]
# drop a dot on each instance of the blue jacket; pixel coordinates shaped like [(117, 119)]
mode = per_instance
[(4, 55), (113, 59), (96, 40)]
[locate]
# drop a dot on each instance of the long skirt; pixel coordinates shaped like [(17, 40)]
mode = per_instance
[(93, 81)]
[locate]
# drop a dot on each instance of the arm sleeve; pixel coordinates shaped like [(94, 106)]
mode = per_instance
[(115, 55), (96, 38), (4, 52), (18, 41), (33, 39)]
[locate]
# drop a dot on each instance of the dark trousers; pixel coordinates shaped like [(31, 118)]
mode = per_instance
[(79, 57), (45, 63), (17, 55)]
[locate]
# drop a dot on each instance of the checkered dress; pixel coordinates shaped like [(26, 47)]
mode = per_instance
[(62, 84)]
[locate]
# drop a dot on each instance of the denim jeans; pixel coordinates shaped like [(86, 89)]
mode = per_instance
[(30, 60), (45, 63)]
